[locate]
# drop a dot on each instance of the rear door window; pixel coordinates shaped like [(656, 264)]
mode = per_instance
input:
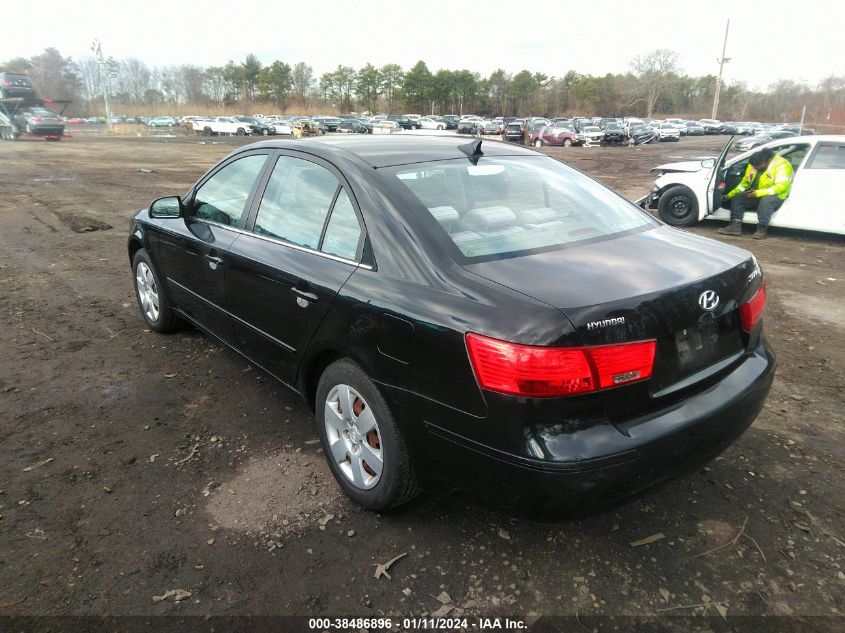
[(828, 157), (296, 202), (343, 233)]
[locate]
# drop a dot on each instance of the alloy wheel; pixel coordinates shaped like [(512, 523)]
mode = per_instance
[(147, 291), (353, 436)]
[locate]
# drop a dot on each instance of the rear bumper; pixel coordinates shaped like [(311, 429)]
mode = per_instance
[(614, 462), (47, 130)]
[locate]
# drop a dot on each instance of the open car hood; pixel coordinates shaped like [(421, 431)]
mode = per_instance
[(684, 166)]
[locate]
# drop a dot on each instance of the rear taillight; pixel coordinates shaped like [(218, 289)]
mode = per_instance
[(534, 371), (6, 83), (37, 119), (751, 311), (621, 364)]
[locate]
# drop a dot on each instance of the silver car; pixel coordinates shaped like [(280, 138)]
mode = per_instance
[(40, 122)]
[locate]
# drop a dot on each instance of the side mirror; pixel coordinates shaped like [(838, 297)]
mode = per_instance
[(707, 163), (169, 207)]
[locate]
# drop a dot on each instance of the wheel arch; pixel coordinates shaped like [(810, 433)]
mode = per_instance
[(315, 364), (667, 181), (137, 241)]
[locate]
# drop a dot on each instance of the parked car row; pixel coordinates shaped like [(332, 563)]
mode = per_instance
[(534, 131)]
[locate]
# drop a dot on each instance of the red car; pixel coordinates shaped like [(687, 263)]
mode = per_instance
[(555, 135)]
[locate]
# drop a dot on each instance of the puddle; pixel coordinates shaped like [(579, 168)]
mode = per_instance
[(278, 494), (81, 224)]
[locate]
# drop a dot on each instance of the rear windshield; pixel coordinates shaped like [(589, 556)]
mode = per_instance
[(506, 206)]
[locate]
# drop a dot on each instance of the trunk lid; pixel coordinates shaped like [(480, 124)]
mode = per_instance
[(654, 284)]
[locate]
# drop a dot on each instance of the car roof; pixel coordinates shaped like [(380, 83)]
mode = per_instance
[(378, 151)]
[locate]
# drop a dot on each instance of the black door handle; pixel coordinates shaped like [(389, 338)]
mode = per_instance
[(309, 296)]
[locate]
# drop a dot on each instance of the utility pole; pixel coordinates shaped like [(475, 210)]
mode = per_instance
[(722, 61), (104, 78)]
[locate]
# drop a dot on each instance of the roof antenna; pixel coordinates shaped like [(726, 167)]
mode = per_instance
[(472, 150)]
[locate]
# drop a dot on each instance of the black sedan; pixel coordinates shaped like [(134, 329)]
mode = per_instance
[(256, 126), (352, 126), (641, 135), (612, 133), (465, 315)]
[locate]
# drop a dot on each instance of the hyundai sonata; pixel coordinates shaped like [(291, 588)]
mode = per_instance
[(465, 315)]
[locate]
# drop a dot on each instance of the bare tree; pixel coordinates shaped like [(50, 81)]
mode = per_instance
[(303, 77), (653, 72), (135, 78), (89, 74)]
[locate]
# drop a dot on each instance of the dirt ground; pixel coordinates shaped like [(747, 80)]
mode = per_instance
[(132, 463)]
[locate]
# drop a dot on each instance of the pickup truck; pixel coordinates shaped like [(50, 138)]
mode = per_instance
[(220, 125)]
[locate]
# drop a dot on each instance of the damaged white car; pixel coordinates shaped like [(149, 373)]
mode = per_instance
[(688, 192)]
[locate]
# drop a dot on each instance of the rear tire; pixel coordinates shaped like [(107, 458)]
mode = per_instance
[(376, 487), (678, 206)]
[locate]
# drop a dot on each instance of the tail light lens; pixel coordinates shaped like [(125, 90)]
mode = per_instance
[(37, 119), (621, 364), (751, 311), (533, 371)]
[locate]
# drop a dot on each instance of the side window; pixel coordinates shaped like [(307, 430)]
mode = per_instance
[(222, 197), (828, 157), (296, 202), (794, 153), (344, 232)]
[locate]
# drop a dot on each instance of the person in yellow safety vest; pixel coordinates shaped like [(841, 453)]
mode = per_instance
[(763, 188)]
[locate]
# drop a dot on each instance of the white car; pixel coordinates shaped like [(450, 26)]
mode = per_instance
[(221, 125), (711, 126), (668, 132), (427, 123), (590, 135), (386, 127), (690, 191), (281, 127)]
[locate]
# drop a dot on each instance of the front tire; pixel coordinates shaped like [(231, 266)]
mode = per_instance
[(152, 300), (567, 142), (241, 131), (362, 442), (678, 206), (538, 143)]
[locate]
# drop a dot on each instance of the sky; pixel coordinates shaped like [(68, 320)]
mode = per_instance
[(767, 41)]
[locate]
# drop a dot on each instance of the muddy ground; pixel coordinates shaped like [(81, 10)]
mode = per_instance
[(133, 463)]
